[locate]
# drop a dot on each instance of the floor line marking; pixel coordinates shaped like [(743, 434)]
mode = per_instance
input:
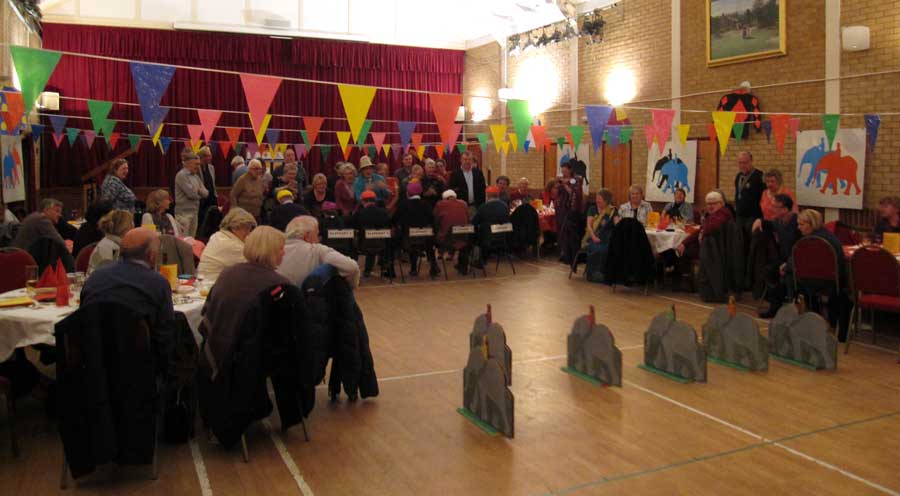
[(430, 283), (288, 460), (200, 467)]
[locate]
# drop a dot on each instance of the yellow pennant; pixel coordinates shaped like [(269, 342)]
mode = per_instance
[(621, 114), (498, 131), (262, 129), (195, 146), (280, 148), (724, 121), (421, 151), (387, 150), (506, 147), (356, 100), (157, 134), (343, 138), (683, 131), (514, 141)]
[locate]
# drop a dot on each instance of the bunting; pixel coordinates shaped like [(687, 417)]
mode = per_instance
[(416, 141), (406, 129), (539, 134), (312, 125), (37, 130), (208, 121), (454, 134), (873, 122), (482, 140), (113, 139), (135, 141), (386, 148), (356, 100), (521, 117), (621, 114), (445, 107), (59, 123), (224, 147), (505, 147), (779, 130), (157, 134), (344, 138), (439, 148), (150, 84), (300, 150), (738, 128), (34, 67), (625, 134), (830, 123), (650, 135), (195, 131), (164, 143), (89, 137), (259, 92), (662, 121), (683, 131), (598, 118), (72, 134), (498, 132), (378, 140), (324, 151), (461, 147), (367, 126), (576, 132), (15, 110), (514, 140), (272, 136), (794, 126), (724, 122), (57, 138), (420, 151)]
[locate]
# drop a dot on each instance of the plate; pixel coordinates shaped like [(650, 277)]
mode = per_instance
[(184, 289)]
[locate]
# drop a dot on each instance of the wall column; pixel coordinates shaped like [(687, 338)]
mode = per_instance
[(832, 69)]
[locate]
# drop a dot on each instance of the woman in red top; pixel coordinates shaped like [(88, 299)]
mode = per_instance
[(774, 186)]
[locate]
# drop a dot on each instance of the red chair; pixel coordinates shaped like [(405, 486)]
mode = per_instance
[(12, 265), (84, 258), (815, 261), (875, 276)]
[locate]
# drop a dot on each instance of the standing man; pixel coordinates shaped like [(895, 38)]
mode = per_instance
[(468, 182), (208, 172), (189, 192), (749, 186)]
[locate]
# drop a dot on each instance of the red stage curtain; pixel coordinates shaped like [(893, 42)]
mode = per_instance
[(343, 62)]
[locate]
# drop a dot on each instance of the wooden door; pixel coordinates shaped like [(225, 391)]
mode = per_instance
[(617, 171), (549, 164), (707, 171)]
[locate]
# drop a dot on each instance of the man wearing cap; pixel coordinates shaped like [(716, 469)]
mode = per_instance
[(189, 191), (286, 210), (416, 212), (450, 212), (468, 182), (368, 180), (370, 216)]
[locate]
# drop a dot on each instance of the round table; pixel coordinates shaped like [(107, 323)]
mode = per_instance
[(27, 326), (661, 241)]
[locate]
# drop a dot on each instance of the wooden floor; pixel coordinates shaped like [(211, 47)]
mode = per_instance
[(787, 431)]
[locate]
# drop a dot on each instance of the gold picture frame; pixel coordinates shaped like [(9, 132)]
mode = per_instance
[(745, 31)]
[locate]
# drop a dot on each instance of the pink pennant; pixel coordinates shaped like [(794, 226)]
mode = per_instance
[(300, 150), (57, 138), (649, 135), (208, 121), (113, 139), (454, 134), (89, 136), (312, 125), (794, 125), (253, 148), (195, 131), (662, 121), (259, 91), (445, 107), (378, 139)]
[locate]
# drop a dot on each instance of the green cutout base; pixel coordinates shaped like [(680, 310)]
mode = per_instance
[(726, 363), (791, 361), (583, 376), (465, 412), (663, 373)]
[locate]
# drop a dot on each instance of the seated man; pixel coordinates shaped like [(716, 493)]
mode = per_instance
[(717, 216), (493, 211), (303, 253), (784, 229), (371, 216), (40, 225), (503, 185), (521, 193), (889, 211), (286, 210), (416, 212), (133, 282)]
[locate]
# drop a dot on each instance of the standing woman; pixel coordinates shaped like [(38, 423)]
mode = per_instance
[(114, 225), (114, 190), (250, 190), (568, 214), (318, 195), (157, 213), (343, 190)]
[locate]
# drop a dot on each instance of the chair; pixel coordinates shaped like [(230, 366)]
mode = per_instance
[(340, 240), (84, 257), (376, 242), (6, 390), (815, 261), (460, 239), (526, 229), (875, 277), (418, 241), (495, 241), (12, 265)]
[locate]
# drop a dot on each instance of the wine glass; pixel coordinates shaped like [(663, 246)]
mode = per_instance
[(31, 279)]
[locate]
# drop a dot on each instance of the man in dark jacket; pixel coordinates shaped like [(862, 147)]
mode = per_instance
[(416, 212), (492, 212), (208, 173), (40, 225), (286, 210), (371, 216), (749, 186), (468, 182), (784, 228)]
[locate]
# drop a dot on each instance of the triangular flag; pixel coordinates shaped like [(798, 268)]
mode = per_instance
[(406, 128), (420, 151), (598, 118), (560, 142), (873, 122), (150, 83), (621, 114), (99, 111), (208, 120), (312, 125), (625, 134), (157, 134), (521, 117), (454, 134), (387, 150), (113, 139), (767, 128), (343, 138), (259, 91), (57, 138), (373, 151), (738, 131), (34, 67), (345, 152), (224, 147), (72, 133), (59, 123), (445, 107), (272, 136), (498, 133), (577, 132), (461, 147), (650, 135), (539, 133), (367, 126), (779, 129), (482, 140), (37, 130), (711, 132), (234, 134), (724, 122), (830, 123), (356, 100), (794, 126), (613, 133), (300, 150), (305, 138), (505, 147), (195, 131), (164, 143), (683, 131), (253, 148), (417, 140), (237, 148), (662, 121), (135, 141), (525, 145), (15, 109), (439, 148), (378, 140), (514, 140), (89, 137), (324, 151), (108, 127)]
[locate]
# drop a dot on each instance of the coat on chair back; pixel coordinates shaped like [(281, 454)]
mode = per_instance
[(630, 258), (722, 263)]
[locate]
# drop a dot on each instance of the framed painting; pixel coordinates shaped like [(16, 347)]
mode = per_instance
[(741, 30)]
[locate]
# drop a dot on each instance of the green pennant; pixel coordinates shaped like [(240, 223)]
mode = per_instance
[(561, 141), (577, 133), (99, 112), (324, 150), (34, 67), (521, 117), (373, 151), (606, 135), (108, 126), (72, 133), (625, 134), (830, 122), (364, 131), (135, 141), (305, 137), (237, 148), (738, 129), (483, 141), (461, 147)]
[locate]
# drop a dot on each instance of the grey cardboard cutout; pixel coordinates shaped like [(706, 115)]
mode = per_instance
[(592, 351), (735, 340), (805, 338), (497, 347), (672, 347), (485, 393)]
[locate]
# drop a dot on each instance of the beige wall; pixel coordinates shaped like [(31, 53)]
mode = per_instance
[(15, 33)]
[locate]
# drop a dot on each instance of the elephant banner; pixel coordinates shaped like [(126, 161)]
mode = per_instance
[(672, 347), (831, 178), (675, 167), (13, 174)]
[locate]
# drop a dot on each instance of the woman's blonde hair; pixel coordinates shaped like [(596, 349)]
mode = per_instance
[(319, 178), (811, 217), (416, 167), (263, 245), (155, 200), (237, 218), (117, 222)]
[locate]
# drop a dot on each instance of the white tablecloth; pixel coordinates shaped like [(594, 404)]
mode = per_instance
[(661, 241), (26, 326)]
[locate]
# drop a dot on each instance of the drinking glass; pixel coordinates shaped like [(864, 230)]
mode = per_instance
[(31, 279)]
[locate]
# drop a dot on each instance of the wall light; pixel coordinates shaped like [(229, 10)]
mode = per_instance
[(482, 108), (620, 87), (536, 79)]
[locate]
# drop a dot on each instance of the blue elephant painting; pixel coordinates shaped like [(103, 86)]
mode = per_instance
[(671, 170)]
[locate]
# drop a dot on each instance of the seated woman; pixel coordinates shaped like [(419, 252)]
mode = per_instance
[(114, 225), (521, 193), (226, 247), (680, 209), (157, 213), (774, 187), (717, 216), (889, 209), (636, 207), (317, 196), (600, 224)]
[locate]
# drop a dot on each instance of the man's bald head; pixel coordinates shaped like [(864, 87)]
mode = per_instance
[(140, 244)]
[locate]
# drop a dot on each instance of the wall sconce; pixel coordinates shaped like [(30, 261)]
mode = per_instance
[(855, 38)]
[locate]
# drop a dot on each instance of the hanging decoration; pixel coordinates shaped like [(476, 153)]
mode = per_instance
[(521, 117), (356, 100), (683, 131), (598, 118), (259, 92), (208, 121), (744, 104), (830, 123), (367, 125), (513, 140), (150, 84), (779, 130), (406, 129), (662, 121), (498, 133), (576, 133), (724, 122), (445, 107), (873, 122), (34, 67)]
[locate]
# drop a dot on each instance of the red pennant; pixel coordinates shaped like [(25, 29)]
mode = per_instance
[(312, 125), (455, 129), (779, 130), (234, 134), (794, 125), (378, 140), (440, 150), (15, 109), (538, 135), (416, 140), (57, 138), (445, 107), (259, 91), (225, 147), (208, 121), (195, 131), (711, 130), (662, 121), (113, 139)]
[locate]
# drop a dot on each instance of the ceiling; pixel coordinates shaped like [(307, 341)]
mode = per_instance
[(455, 24)]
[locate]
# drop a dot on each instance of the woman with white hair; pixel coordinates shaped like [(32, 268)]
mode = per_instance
[(716, 217), (303, 253), (343, 189), (238, 167), (636, 206), (250, 190), (226, 247)]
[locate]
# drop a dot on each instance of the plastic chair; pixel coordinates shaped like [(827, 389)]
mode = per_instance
[(418, 241), (376, 242), (496, 242), (460, 239), (84, 257), (875, 276), (815, 260)]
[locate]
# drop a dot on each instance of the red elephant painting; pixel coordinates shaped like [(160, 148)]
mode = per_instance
[(839, 168)]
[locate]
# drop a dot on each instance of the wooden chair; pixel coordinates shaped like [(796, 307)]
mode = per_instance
[(875, 277)]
